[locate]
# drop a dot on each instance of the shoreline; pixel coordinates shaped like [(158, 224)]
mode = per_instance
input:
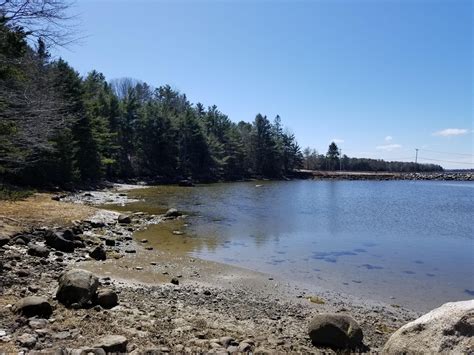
[(231, 301)]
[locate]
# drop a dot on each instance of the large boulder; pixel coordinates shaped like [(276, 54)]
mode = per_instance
[(33, 306), (447, 329), (112, 344), (335, 330), (77, 287), (60, 241)]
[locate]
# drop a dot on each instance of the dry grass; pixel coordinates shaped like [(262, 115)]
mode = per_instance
[(39, 210)]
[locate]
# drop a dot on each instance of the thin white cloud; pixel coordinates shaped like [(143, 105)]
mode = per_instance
[(388, 139), (388, 147), (337, 140), (451, 132)]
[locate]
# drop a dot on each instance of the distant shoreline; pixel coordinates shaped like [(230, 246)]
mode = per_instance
[(383, 175)]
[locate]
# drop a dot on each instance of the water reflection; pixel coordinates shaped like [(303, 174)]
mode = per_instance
[(372, 233)]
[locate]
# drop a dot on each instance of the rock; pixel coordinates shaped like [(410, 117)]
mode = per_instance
[(77, 286), (88, 351), (446, 329), (112, 344), (232, 349), (226, 341), (57, 241), (4, 239), (98, 253), (107, 298), (186, 183), (178, 233), (33, 306), (130, 251), (27, 340), (144, 240), (244, 347), (173, 212), (110, 242), (335, 330), (124, 219), (38, 323), (175, 281), (23, 273), (38, 250)]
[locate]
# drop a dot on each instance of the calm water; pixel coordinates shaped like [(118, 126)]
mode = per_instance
[(410, 243)]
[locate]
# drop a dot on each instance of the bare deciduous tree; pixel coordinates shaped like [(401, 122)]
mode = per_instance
[(46, 19)]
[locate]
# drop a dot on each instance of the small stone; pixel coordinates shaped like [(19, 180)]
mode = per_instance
[(139, 267), (244, 347), (178, 233), (175, 281), (124, 219), (98, 253), (233, 349), (38, 323), (149, 248), (27, 340), (130, 251), (38, 250), (144, 240), (335, 330), (107, 298), (33, 306), (172, 212), (112, 344), (110, 242), (226, 341)]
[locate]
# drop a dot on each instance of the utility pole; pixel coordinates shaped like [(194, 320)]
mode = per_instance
[(416, 156)]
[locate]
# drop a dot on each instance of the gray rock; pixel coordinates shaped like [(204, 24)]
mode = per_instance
[(27, 340), (124, 219), (77, 286), (173, 212), (57, 241), (244, 347), (38, 323), (233, 349), (335, 330), (112, 344), (107, 298), (38, 250), (175, 281), (226, 341), (446, 329), (88, 351), (98, 253), (4, 239), (32, 306), (110, 242)]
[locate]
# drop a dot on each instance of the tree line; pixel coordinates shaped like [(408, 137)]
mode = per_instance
[(333, 160), (58, 128)]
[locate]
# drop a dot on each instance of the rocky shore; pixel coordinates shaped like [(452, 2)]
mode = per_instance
[(87, 286)]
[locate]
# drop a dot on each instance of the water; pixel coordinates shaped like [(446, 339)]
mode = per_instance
[(406, 243)]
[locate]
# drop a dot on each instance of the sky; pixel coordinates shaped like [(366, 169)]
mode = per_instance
[(380, 78)]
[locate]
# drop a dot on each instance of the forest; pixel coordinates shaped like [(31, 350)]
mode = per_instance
[(60, 129)]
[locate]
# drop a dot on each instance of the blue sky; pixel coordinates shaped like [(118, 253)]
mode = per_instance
[(380, 77)]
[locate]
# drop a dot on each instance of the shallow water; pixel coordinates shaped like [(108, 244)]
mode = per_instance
[(406, 243)]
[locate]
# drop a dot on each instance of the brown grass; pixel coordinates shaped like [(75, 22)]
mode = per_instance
[(39, 210)]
